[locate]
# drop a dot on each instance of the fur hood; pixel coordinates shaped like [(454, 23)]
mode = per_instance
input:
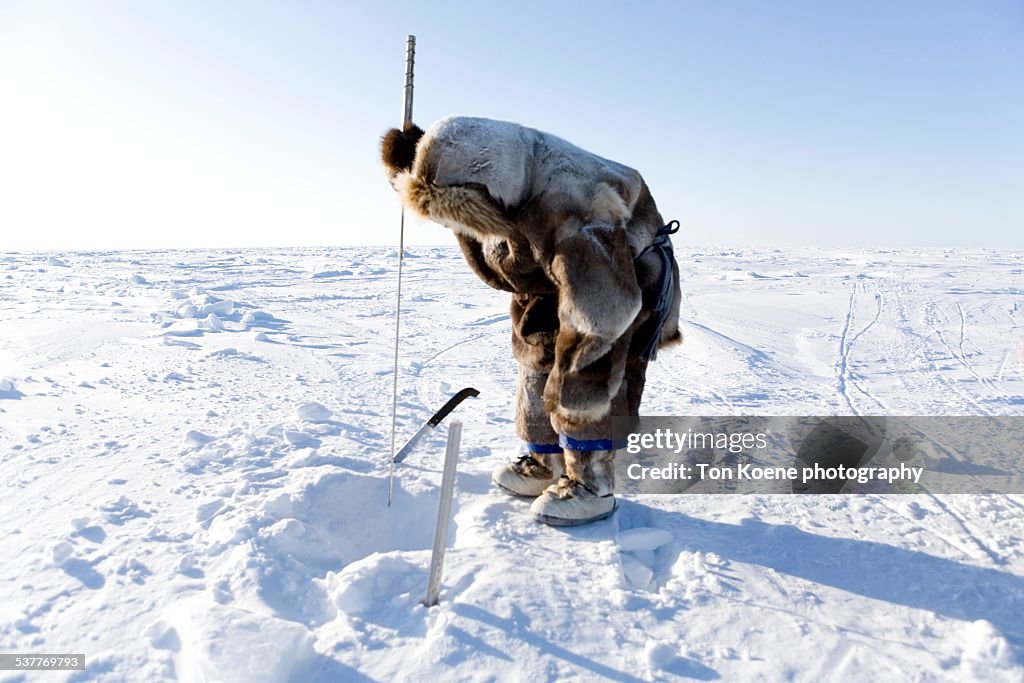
[(477, 175)]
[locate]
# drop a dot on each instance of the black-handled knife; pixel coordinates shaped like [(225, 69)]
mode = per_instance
[(435, 420)]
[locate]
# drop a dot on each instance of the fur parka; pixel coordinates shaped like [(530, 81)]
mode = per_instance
[(535, 214)]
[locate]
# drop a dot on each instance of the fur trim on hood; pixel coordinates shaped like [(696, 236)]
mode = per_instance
[(398, 148)]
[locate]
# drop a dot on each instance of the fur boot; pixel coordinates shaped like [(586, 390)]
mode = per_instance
[(583, 495), (530, 474)]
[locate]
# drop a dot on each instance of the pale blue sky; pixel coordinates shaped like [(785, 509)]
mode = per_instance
[(196, 123)]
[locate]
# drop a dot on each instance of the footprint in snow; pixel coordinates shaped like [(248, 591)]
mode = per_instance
[(176, 377), (163, 636), (84, 527), (207, 511), (64, 557), (638, 553), (641, 547), (121, 510), (9, 391), (188, 565), (134, 571), (84, 572)]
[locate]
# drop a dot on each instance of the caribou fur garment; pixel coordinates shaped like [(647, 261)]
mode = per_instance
[(535, 214)]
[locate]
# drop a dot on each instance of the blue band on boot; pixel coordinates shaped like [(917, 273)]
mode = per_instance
[(544, 448), (589, 444)]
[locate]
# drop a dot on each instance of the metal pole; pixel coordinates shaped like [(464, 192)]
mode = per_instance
[(410, 62), (410, 58), (444, 514)]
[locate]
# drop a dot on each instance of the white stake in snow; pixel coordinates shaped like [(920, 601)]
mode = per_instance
[(444, 514), (410, 59)]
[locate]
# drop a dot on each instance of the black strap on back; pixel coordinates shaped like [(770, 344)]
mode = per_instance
[(666, 285)]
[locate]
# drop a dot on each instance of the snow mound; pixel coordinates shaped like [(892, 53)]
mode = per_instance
[(183, 328), (691, 576), (56, 262), (201, 306), (987, 655), (331, 273), (739, 275), (212, 322), (220, 308), (358, 588), (279, 554), (313, 412), (658, 654), (194, 439), (320, 522), (62, 552), (296, 437), (187, 311), (231, 645), (393, 253), (255, 317), (232, 352)]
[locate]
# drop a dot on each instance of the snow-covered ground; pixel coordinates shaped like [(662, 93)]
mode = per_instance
[(193, 450)]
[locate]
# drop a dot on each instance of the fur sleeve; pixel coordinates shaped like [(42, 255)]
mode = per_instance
[(598, 295), (473, 251)]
